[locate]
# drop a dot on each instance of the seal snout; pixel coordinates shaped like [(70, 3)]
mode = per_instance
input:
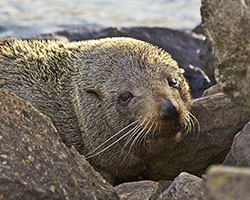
[(168, 111)]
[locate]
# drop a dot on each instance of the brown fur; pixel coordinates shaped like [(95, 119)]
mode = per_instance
[(78, 84)]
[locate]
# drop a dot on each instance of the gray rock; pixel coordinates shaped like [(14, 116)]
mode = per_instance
[(165, 184), (227, 183), (230, 160), (241, 147), (226, 24), (184, 47), (220, 120), (184, 187), (212, 90), (35, 164), (142, 190)]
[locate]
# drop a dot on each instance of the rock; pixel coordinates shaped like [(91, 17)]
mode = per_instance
[(141, 190), (184, 47), (241, 147), (227, 183), (198, 30), (35, 164), (212, 90), (184, 187), (230, 160), (165, 184), (197, 80), (220, 119), (226, 24)]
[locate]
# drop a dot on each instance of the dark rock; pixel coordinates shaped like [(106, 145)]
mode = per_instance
[(198, 30), (227, 24), (165, 184), (220, 120), (184, 47), (141, 190), (241, 147), (35, 164), (52, 36), (227, 183), (197, 77), (184, 187)]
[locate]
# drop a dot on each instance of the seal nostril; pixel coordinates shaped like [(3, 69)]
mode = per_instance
[(168, 111)]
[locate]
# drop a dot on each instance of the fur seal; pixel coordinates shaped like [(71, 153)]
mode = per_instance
[(119, 101)]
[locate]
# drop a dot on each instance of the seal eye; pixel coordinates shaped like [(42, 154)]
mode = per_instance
[(172, 82), (125, 97)]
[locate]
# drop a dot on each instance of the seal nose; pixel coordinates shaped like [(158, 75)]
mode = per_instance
[(168, 111)]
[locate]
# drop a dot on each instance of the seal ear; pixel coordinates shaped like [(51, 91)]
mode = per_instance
[(95, 92)]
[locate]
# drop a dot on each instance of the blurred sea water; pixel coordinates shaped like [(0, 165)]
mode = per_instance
[(29, 17)]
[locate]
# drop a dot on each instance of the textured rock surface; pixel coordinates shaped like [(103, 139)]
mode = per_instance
[(227, 183), (184, 187), (220, 120), (183, 47), (241, 147), (212, 90), (229, 160), (142, 190), (35, 164), (226, 24)]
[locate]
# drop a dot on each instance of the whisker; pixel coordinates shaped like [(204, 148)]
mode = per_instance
[(88, 154), (195, 122), (156, 124), (141, 135), (138, 135), (189, 124), (155, 129), (110, 144), (146, 134), (134, 133)]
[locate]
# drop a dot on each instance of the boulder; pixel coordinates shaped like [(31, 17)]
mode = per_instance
[(226, 24), (212, 90), (35, 164), (183, 47), (142, 190), (241, 147), (198, 29), (184, 187), (229, 160), (227, 183)]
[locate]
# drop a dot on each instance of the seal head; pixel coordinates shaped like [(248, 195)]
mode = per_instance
[(133, 100)]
